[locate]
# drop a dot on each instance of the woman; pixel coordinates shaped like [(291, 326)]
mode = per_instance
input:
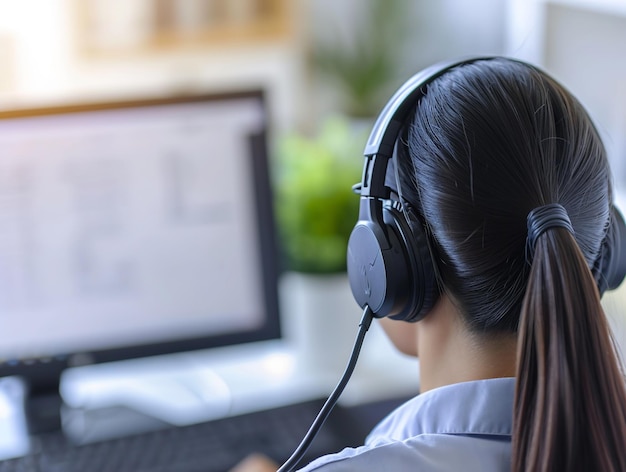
[(508, 176)]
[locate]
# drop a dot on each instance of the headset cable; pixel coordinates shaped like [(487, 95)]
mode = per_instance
[(297, 455)]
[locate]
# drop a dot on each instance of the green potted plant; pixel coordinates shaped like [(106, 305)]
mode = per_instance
[(315, 206)]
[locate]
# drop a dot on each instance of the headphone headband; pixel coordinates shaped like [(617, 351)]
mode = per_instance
[(387, 126), (385, 132)]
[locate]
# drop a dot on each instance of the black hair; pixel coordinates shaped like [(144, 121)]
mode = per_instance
[(489, 142)]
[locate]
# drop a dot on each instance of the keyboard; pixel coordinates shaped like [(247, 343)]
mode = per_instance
[(214, 446)]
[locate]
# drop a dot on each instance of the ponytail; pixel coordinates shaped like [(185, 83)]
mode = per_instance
[(570, 399)]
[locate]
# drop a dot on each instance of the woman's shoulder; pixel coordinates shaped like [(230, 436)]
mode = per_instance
[(427, 452), (465, 426)]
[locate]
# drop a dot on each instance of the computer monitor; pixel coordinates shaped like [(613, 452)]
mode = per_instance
[(131, 229)]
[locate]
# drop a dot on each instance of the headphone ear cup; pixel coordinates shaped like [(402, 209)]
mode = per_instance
[(378, 272), (610, 268), (390, 269), (425, 287)]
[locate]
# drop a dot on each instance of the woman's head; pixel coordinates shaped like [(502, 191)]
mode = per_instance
[(491, 142)]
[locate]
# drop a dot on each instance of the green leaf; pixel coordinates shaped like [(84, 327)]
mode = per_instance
[(315, 206)]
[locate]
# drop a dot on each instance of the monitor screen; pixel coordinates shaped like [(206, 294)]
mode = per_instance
[(135, 228)]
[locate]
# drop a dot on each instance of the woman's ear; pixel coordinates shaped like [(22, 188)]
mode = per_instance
[(403, 335)]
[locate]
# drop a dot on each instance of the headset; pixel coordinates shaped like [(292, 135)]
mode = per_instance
[(390, 263), (390, 266)]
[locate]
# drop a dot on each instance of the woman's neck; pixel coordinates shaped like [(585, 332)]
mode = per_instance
[(449, 353)]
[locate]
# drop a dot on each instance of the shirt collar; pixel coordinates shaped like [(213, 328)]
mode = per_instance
[(482, 407)]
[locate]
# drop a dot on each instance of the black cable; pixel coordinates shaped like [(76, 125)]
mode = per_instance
[(297, 455)]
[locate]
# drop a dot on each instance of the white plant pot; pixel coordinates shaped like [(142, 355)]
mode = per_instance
[(320, 318)]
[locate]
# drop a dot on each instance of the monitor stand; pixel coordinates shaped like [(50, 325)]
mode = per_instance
[(43, 411), (42, 401)]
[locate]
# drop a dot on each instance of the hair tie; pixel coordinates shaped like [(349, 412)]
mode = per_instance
[(543, 218)]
